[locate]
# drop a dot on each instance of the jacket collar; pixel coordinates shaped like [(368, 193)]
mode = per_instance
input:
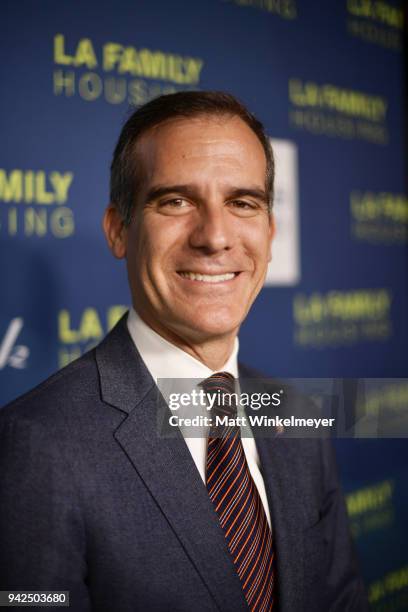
[(124, 378)]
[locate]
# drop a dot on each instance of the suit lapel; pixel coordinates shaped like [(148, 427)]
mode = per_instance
[(166, 467), (277, 461), (286, 517)]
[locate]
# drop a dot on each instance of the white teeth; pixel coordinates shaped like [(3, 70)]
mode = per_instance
[(208, 278)]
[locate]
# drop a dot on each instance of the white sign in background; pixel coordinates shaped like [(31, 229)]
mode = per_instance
[(284, 269)]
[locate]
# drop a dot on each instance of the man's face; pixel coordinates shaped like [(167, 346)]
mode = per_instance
[(198, 246)]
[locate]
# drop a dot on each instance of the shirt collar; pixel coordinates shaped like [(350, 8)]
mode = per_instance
[(166, 360)]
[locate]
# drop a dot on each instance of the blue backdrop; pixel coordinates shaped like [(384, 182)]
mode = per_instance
[(326, 79)]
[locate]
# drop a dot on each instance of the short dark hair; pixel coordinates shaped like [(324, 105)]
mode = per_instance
[(123, 181)]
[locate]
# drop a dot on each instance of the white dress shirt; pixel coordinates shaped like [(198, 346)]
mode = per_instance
[(164, 360)]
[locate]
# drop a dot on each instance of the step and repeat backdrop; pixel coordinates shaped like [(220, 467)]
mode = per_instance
[(326, 79)]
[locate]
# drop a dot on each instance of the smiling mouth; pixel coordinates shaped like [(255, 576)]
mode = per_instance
[(209, 278)]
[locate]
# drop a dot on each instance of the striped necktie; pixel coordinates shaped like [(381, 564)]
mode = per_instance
[(236, 500)]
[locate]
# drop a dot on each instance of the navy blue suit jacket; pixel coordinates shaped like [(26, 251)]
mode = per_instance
[(93, 501)]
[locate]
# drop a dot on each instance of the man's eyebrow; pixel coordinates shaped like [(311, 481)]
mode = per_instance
[(254, 192), (157, 192), (191, 191)]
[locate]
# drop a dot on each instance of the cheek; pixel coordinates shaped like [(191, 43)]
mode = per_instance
[(137, 253), (257, 245), (141, 241), (152, 246)]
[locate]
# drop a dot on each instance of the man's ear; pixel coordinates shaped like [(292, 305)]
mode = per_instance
[(115, 231), (272, 230)]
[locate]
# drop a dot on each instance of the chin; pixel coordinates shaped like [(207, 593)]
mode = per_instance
[(213, 323)]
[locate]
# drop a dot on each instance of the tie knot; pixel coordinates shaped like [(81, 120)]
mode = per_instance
[(222, 385), (220, 381)]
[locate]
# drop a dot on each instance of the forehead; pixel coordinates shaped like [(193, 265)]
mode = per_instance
[(198, 146)]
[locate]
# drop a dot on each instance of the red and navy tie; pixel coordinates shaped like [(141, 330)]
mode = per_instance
[(237, 502)]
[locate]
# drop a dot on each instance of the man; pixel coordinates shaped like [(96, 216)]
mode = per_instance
[(94, 500)]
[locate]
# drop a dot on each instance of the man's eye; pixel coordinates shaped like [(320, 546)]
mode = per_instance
[(174, 203), (243, 205)]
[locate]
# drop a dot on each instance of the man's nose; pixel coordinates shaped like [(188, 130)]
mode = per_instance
[(213, 230)]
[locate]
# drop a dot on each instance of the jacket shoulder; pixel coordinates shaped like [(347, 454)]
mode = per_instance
[(73, 384)]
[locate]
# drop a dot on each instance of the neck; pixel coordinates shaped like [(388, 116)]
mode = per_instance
[(212, 351)]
